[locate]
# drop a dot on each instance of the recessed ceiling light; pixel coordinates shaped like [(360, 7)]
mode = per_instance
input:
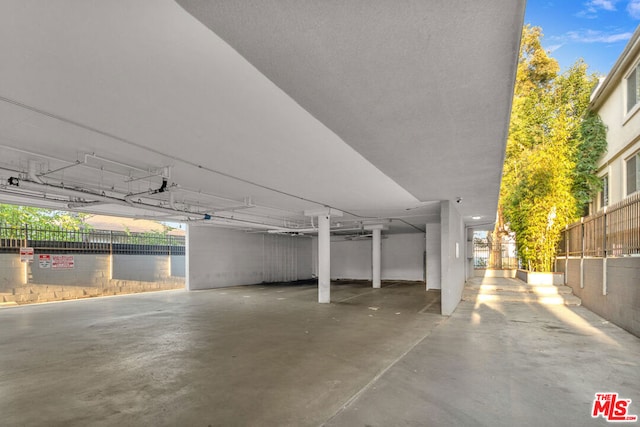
[(476, 217)]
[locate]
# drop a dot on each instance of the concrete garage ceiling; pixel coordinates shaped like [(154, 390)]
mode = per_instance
[(247, 113)]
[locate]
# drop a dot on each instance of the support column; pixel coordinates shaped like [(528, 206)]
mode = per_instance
[(375, 257), (324, 260), (376, 251), (324, 251), (187, 257)]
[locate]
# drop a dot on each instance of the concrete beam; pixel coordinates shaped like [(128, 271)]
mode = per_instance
[(372, 227), (323, 212)]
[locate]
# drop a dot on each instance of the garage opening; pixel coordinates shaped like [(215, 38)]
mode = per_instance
[(48, 255)]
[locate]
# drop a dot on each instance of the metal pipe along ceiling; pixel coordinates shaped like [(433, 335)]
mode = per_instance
[(91, 199)]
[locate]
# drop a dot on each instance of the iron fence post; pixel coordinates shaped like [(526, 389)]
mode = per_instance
[(605, 251)]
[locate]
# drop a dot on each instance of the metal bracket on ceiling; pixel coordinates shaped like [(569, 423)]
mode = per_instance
[(162, 171)]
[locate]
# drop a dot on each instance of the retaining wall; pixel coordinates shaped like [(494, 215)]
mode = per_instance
[(90, 275), (31, 293), (617, 300)]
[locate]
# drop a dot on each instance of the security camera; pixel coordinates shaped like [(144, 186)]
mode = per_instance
[(459, 199)]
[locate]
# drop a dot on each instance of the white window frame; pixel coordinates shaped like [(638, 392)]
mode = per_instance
[(604, 195), (635, 74), (626, 174)]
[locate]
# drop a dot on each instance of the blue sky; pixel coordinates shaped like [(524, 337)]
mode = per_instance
[(595, 30)]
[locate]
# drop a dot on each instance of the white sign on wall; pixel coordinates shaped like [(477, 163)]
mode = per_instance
[(26, 254), (44, 261), (62, 262)]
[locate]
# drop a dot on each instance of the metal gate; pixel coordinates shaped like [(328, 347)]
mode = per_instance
[(494, 255)]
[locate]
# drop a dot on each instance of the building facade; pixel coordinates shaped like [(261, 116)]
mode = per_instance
[(600, 254), (617, 101)]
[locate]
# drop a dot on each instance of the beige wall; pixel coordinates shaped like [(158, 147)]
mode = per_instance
[(623, 135)]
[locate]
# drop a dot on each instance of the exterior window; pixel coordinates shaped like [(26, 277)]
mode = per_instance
[(633, 88), (633, 174), (604, 194)]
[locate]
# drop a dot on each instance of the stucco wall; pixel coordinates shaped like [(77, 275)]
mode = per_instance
[(219, 257), (286, 258), (623, 135), (401, 258), (351, 259), (147, 268), (621, 304), (92, 270), (88, 269), (177, 266), (88, 277), (11, 271)]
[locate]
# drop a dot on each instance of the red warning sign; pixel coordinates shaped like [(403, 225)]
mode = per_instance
[(26, 254), (62, 261)]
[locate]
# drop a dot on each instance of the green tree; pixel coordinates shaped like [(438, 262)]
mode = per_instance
[(41, 219), (552, 150)]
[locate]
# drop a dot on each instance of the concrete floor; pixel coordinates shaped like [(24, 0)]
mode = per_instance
[(504, 364), (271, 356)]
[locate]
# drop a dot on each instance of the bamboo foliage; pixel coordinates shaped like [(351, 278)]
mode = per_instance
[(552, 149)]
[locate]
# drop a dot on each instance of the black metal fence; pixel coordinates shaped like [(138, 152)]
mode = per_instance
[(612, 232), (494, 256), (59, 240)]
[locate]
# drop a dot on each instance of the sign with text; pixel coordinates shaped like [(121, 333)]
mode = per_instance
[(612, 408), (26, 254), (62, 262), (44, 261)]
